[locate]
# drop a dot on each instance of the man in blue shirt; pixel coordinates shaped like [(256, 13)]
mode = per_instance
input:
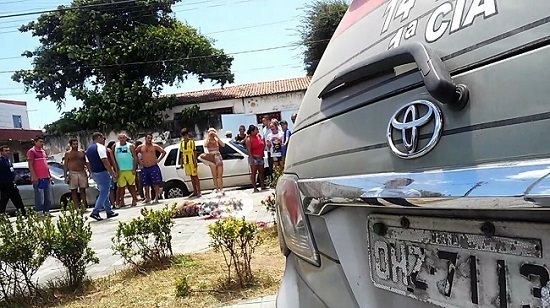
[(8, 190), (102, 173)]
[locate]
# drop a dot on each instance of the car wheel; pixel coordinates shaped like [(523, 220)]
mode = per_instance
[(176, 190), (65, 199)]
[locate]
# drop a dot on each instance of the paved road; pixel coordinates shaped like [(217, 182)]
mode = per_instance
[(189, 235)]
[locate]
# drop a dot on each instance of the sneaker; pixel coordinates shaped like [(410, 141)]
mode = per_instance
[(112, 214), (96, 217)]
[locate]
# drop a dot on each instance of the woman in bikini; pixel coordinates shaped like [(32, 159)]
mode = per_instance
[(213, 158)]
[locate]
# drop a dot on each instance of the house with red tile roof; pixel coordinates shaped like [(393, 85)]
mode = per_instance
[(15, 128), (228, 107)]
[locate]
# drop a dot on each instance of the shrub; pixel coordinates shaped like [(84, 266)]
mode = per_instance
[(69, 242), (22, 253), (145, 240), (236, 239), (275, 175), (269, 204), (182, 287)]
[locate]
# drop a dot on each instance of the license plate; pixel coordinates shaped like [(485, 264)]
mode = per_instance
[(461, 263)]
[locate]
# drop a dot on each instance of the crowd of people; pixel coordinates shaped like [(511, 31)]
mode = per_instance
[(122, 165), (272, 137)]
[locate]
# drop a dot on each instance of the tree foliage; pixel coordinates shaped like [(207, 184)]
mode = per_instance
[(67, 123), (318, 24), (116, 56)]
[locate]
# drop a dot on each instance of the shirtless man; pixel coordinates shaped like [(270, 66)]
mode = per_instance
[(150, 174), (75, 173)]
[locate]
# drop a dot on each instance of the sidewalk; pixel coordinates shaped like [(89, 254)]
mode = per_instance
[(189, 235), (262, 302)]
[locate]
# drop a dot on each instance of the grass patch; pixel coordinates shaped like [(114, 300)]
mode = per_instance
[(203, 272)]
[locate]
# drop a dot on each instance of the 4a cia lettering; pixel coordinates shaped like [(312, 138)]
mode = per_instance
[(448, 17)]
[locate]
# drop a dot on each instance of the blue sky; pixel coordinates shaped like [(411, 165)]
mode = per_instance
[(272, 23)]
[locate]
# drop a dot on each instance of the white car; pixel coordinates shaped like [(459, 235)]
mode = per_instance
[(236, 170)]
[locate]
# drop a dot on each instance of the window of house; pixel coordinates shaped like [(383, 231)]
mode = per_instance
[(17, 123)]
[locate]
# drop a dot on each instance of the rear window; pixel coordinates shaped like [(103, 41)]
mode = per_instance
[(171, 158)]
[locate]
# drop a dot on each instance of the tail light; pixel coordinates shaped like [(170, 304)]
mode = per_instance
[(294, 226)]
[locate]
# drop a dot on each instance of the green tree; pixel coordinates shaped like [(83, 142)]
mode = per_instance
[(317, 26), (116, 56), (67, 123)]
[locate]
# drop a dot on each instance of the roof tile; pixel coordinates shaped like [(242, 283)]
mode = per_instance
[(246, 90)]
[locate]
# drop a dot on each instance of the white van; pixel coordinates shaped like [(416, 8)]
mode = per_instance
[(418, 171)]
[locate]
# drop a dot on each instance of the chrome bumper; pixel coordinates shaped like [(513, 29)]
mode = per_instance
[(510, 185)]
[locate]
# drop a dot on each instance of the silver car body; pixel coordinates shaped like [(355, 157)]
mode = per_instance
[(419, 162), (59, 190)]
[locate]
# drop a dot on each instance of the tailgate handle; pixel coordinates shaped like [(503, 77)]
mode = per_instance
[(436, 77)]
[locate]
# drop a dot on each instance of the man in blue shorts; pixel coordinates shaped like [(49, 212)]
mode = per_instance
[(150, 174)]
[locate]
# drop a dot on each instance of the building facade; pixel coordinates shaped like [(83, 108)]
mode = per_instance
[(13, 114), (15, 128), (227, 108)]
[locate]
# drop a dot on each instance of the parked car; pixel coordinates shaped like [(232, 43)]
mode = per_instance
[(236, 170), (59, 190), (418, 171)]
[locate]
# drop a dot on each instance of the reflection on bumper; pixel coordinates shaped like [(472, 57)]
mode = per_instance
[(523, 184), (305, 285), (294, 292)]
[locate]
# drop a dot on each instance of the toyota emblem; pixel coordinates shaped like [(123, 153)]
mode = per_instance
[(407, 123)]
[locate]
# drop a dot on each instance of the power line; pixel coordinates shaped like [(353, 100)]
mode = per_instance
[(91, 6), (211, 75), (17, 1), (171, 60), (249, 27), (24, 21), (208, 33), (65, 9)]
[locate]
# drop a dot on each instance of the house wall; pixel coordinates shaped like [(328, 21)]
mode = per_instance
[(270, 103), (250, 105), (55, 146), (7, 111)]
